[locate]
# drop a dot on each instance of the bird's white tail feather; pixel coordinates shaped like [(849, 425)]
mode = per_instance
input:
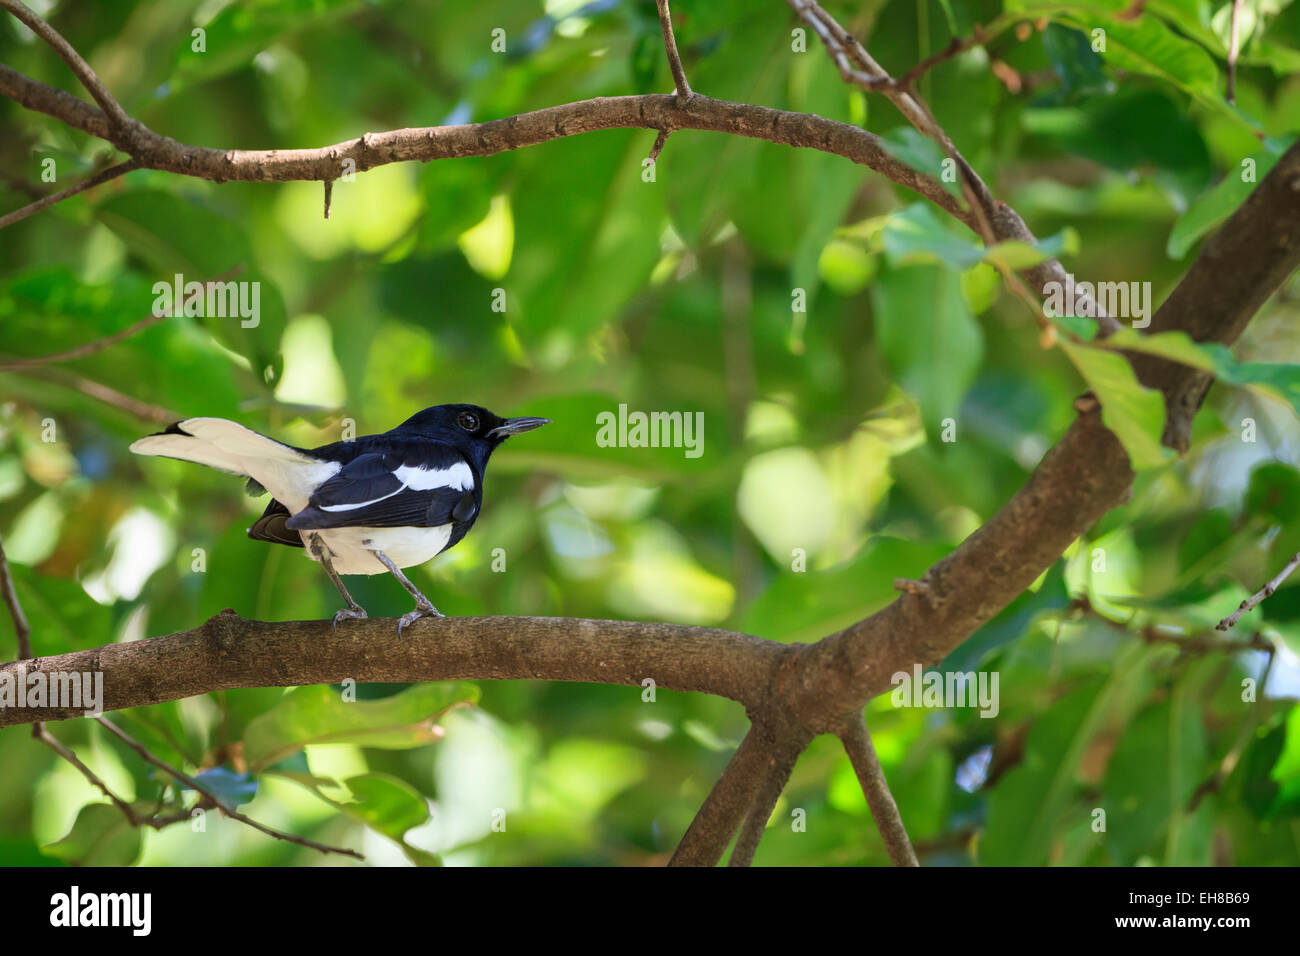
[(289, 474)]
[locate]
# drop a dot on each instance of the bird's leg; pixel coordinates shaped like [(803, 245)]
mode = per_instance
[(423, 606), (353, 611)]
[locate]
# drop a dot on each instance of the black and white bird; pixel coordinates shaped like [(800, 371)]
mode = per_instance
[(373, 504)]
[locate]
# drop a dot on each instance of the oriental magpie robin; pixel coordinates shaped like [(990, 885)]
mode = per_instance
[(374, 504)]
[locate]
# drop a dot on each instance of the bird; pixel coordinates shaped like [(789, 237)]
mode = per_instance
[(369, 505)]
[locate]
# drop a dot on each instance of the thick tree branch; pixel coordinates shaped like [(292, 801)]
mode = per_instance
[(723, 810), (862, 754), (228, 651), (791, 741), (652, 111), (1081, 478)]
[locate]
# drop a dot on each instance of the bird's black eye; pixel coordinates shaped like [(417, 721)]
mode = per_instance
[(468, 421)]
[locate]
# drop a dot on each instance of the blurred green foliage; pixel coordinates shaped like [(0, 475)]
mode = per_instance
[(825, 473)]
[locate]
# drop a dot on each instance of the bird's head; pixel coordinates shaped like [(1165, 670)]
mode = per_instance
[(470, 428)]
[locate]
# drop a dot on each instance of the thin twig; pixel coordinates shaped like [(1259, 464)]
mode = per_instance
[(670, 46), (90, 348), (862, 754), (1207, 643), (1231, 94), (103, 393), (1259, 596), (45, 737), (1134, 10), (658, 147), (991, 220), (112, 109), (229, 811), (775, 776), (45, 201), (980, 36), (22, 629), (719, 816)]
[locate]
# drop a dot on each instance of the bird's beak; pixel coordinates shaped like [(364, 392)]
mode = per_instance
[(514, 426)]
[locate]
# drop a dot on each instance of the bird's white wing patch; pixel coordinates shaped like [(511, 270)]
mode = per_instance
[(354, 505), (456, 476)]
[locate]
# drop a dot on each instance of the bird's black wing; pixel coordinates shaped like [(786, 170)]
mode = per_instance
[(271, 526), (397, 485)]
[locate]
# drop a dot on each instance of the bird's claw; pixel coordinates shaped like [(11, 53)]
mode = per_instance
[(410, 617), (349, 614)]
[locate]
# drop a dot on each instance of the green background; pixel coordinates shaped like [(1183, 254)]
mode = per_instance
[(823, 445)]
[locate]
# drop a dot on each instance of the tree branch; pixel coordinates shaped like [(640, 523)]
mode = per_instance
[(650, 111), (228, 651), (116, 115), (91, 182), (991, 220), (103, 393), (1081, 478), (90, 348), (231, 812), (862, 754), (776, 774), (44, 736), (22, 630), (670, 47), (722, 811), (1259, 596)]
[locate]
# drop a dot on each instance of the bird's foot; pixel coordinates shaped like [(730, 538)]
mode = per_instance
[(354, 613), (421, 610)]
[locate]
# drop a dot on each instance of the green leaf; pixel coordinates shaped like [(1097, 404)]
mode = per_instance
[(1030, 802), (1216, 205), (1281, 379), (319, 715), (911, 146), (916, 235), (183, 237), (1175, 346), (390, 806), (803, 606), (101, 836), (1075, 62), (1135, 413), (1142, 45), (929, 338), (1273, 492)]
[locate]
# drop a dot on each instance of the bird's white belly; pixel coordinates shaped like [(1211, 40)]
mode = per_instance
[(351, 547)]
